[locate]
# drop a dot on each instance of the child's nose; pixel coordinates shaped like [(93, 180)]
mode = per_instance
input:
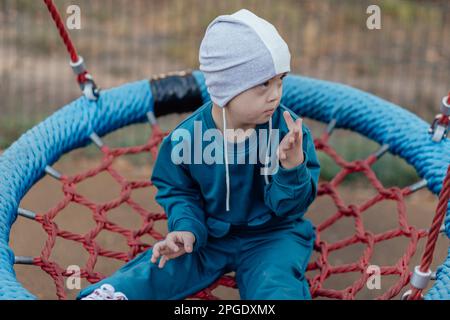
[(275, 93)]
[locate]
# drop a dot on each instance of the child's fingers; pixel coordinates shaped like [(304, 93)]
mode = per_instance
[(289, 122), (185, 241), (288, 143), (166, 251), (297, 131), (295, 128), (171, 243), (299, 123), (162, 262), (156, 251), (188, 243), (188, 248), (281, 154), (295, 134)]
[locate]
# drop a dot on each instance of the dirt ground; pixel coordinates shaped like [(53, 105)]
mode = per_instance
[(27, 237)]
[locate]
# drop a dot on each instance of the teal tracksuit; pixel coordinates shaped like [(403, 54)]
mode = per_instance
[(263, 236)]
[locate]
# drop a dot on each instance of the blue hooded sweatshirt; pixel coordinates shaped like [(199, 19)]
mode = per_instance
[(194, 193)]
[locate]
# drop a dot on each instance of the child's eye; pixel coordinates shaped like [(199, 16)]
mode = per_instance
[(265, 84)]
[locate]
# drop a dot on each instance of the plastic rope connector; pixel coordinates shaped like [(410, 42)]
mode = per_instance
[(96, 140), (331, 126), (23, 260), (87, 83), (89, 88), (151, 118), (441, 123), (26, 213), (420, 279), (53, 173), (408, 293), (78, 67), (418, 185), (445, 106)]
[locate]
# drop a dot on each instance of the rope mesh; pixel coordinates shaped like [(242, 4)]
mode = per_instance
[(320, 265), (361, 235)]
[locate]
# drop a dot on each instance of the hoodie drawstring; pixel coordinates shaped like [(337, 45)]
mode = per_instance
[(227, 175), (266, 157), (225, 145)]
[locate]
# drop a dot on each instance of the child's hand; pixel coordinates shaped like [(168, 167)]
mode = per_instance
[(290, 150), (174, 245)]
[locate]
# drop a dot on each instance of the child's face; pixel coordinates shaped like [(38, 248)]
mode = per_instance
[(256, 105)]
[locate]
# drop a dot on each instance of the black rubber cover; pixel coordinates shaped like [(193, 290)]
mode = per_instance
[(175, 93)]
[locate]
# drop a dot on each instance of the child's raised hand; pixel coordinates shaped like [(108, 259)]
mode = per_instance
[(290, 150), (174, 245)]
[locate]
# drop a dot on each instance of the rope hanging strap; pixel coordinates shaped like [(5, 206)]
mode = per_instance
[(422, 273), (441, 123), (84, 78)]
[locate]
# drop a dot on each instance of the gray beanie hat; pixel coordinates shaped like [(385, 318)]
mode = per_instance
[(238, 52)]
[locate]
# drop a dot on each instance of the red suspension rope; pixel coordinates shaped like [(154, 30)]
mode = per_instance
[(84, 79), (62, 30), (441, 211)]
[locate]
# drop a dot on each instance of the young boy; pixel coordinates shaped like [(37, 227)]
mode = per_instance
[(231, 215)]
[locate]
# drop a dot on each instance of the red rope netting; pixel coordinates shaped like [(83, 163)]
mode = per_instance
[(363, 236), (320, 265)]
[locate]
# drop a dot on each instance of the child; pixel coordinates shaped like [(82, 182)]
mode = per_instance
[(232, 216)]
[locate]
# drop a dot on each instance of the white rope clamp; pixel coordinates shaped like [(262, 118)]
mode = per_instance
[(78, 67), (53, 173), (96, 140), (445, 106), (23, 260), (418, 185), (438, 128), (420, 279), (26, 213), (88, 87), (406, 295), (381, 151), (151, 118), (331, 126)]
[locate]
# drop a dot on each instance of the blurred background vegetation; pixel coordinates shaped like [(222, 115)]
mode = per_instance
[(406, 62)]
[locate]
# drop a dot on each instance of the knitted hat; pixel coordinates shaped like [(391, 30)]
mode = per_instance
[(238, 52)]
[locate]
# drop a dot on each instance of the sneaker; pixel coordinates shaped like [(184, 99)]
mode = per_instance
[(105, 292), (119, 296)]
